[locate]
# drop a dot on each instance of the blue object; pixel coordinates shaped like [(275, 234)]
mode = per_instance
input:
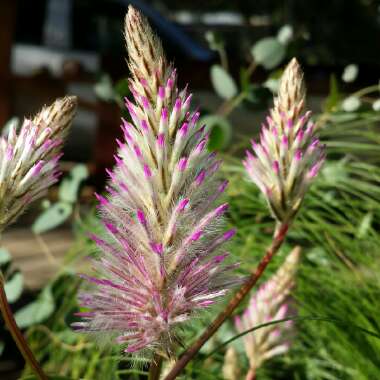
[(171, 31)]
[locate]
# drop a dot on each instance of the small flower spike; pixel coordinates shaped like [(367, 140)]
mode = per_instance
[(162, 257), (268, 304), (288, 156), (29, 159)]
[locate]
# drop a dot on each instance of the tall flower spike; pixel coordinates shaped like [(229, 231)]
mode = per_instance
[(162, 258), (268, 304), (288, 156), (29, 159)]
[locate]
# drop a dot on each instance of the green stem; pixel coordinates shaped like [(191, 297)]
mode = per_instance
[(366, 90), (17, 335)]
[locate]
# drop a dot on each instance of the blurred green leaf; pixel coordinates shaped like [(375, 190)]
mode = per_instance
[(5, 256), (334, 96), (224, 85), (220, 131), (13, 287), (52, 217), (364, 225), (37, 311), (2, 346), (268, 52)]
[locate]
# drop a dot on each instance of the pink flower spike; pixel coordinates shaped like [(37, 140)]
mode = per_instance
[(164, 265)]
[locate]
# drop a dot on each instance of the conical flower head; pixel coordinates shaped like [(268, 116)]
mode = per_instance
[(162, 258), (288, 156), (268, 304), (29, 159)]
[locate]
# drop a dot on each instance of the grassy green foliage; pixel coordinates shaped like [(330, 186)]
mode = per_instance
[(338, 230)]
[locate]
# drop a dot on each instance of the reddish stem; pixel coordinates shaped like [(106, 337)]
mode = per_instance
[(17, 335), (277, 241)]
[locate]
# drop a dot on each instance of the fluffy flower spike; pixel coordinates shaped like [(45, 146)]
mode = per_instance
[(29, 159), (162, 258), (288, 156), (269, 303)]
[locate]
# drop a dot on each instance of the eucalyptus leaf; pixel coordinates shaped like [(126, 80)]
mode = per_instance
[(268, 52), (285, 34), (350, 73), (37, 311), (351, 104), (5, 256), (376, 105), (224, 85), (79, 172), (68, 189), (13, 287), (104, 88), (52, 217)]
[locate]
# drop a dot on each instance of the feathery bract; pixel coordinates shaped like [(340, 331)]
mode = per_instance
[(161, 255)]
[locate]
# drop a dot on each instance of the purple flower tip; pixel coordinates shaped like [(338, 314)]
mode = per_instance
[(161, 140), (229, 234), (161, 92), (111, 228), (221, 209), (141, 217), (182, 204), (182, 164), (196, 235), (276, 167), (103, 201), (164, 114), (157, 248), (223, 186), (147, 171), (177, 104)]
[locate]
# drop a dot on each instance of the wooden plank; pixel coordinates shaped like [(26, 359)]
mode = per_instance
[(38, 258)]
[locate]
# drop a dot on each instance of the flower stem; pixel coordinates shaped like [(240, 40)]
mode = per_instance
[(251, 374), (155, 367), (278, 239), (16, 333)]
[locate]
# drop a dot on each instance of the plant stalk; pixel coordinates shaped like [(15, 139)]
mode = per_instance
[(17, 335), (278, 239), (251, 374), (155, 367)]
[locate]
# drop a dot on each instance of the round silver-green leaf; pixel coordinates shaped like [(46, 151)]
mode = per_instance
[(224, 85), (268, 52)]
